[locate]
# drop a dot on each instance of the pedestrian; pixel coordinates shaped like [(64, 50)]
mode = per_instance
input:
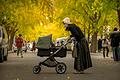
[(62, 42), (28, 45), (19, 44), (99, 45), (33, 46), (25, 44), (83, 60), (115, 40), (105, 45)]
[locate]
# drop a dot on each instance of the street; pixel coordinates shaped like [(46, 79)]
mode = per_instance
[(17, 68)]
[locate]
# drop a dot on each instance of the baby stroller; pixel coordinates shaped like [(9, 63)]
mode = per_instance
[(45, 49)]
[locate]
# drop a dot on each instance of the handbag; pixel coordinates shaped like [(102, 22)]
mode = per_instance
[(74, 51)]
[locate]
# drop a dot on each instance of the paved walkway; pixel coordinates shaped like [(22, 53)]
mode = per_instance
[(17, 68)]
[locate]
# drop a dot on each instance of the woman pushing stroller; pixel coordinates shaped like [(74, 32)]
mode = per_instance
[(82, 60)]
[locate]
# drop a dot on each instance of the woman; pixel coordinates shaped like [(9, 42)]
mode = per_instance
[(105, 48), (83, 59)]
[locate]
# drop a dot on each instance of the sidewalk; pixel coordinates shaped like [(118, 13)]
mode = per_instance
[(103, 69), (100, 55)]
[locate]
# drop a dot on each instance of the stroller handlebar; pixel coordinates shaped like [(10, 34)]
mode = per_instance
[(70, 39)]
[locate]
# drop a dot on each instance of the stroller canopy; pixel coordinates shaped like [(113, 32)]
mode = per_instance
[(44, 42)]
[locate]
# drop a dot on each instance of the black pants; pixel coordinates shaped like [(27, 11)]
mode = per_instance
[(104, 51), (116, 53)]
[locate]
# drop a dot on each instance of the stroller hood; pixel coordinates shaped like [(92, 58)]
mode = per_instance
[(44, 42)]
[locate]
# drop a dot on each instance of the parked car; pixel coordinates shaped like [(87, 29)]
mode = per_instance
[(24, 48), (3, 44)]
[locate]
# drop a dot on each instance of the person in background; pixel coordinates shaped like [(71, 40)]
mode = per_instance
[(115, 40), (28, 45), (99, 45), (19, 44), (25, 44), (33, 46), (83, 59), (105, 45), (62, 42)]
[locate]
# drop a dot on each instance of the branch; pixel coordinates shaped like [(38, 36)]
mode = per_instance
[(76, 10), (86, 11), (99, 16)]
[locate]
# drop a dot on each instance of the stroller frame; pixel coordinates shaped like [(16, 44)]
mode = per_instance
[(60, 67)]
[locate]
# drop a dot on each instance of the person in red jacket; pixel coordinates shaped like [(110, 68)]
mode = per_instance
[(19, 44)]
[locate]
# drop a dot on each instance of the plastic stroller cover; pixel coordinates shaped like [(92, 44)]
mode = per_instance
[(44, 42)]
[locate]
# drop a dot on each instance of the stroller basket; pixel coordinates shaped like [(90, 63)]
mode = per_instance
[(47, 52)]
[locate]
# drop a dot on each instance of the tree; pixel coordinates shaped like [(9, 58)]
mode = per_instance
[(111, 6), (21, 14), (90, 14), (34, 18)]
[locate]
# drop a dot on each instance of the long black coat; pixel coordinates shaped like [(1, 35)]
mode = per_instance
[(83, 59)]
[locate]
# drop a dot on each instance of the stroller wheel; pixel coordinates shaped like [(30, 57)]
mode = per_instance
[(36, 69), (61, 68)]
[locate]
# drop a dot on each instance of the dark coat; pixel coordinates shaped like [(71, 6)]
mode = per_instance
[(83, 59), (99, 44), (115, 38)]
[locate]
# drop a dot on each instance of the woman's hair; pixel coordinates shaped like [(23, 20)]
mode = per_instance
[(66, 20)]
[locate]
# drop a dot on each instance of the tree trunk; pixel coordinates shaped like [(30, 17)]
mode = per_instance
[(88, 34), (118, 12), (94, 43), (11, 38)]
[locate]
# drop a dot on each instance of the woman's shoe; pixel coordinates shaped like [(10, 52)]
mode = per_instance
[(80, 72)]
